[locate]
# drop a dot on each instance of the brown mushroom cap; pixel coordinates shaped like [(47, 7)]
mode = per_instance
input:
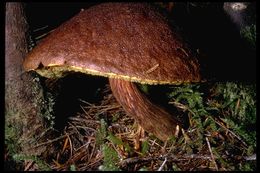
[(130, 41)]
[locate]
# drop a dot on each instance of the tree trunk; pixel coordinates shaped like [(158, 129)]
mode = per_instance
[(24, 99)]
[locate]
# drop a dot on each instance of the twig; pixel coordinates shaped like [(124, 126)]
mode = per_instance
[(86, 113), (65, 145), (93, 149), (53, 140), (212, 156), (154, 142), (73, 127), (41, 28), (43, 133), (237, 105), (99, 106), (232, 133), (183, 51), (152, 68), (87, 121), (170, 157), (179, 105), (28, 165), (252, 157), (71, 147), (43, 35), (165, 160), (82, 127)]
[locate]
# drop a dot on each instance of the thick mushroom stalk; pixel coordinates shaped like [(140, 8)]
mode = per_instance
[(151, 117)]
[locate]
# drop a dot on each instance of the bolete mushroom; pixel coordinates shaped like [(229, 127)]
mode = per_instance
[(128, 43)]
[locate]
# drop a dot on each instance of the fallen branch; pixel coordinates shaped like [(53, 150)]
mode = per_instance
[(231, 133), (211, 154), (171, 157), (53, 140)]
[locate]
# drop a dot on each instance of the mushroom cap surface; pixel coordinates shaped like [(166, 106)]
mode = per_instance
[(130, 41)]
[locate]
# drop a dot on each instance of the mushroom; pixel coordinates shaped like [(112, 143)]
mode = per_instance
[(128, 43)]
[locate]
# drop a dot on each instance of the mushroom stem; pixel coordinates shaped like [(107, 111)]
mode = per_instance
[(151, 117)]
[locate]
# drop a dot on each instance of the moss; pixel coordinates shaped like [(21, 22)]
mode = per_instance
[(249, 34), (228, 109), (110, 159), (12, 138), (25, 116), (40, 163)]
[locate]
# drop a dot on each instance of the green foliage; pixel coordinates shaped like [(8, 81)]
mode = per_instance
[(144, 88), (41, 164), (143, 169), (101, 133), (73, 168), (175, 167), (247, 167), (216, 152), (249, 34), (24, 120), (240, 101), (115, 117), (118, 142), (110, 155), (191, 97), (110, 159), (45, 99), (47, 111), (145, 147), (12, 138), (232, 103)]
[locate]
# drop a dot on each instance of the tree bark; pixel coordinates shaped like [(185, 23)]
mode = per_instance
[(24, 99)]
